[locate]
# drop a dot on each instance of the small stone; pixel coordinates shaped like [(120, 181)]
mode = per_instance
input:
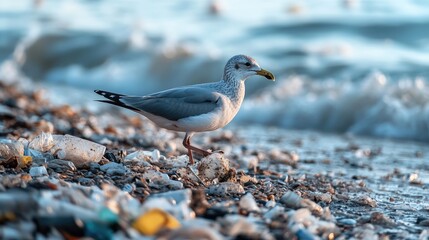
[(304, 234), (85, 181), (248, 179), (94, 166), (312, 206), (291, 199), (155, 155), (347, 222), (113, 168), (248, 162), (366, 231), (60, 166), (248, 203), (423, 221), (365, 200), (321, 197), (225, 188), (274, 212), (270, 204), (381, 219), (129, 188), (38, 171)]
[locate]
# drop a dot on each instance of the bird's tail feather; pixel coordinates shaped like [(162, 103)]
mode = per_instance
[(114, 99)]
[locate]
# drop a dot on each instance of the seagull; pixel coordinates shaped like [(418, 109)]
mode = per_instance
[(195, 108)]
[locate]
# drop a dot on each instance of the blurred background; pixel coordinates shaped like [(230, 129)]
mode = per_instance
[(348, 66)]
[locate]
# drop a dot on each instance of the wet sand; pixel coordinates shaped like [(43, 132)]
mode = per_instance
[(269, 183)]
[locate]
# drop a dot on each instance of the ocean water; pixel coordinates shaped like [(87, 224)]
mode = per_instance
[(348, 66)]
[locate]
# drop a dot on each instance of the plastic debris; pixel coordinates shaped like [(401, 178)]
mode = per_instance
[(154, 220), (43, 142), (44, 197), (10, 149), (139, 156), (77, 150), (214, 166), (24, 161), (178, 196), (161, 180)]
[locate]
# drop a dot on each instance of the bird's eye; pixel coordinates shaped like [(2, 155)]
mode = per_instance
[(247, 64)]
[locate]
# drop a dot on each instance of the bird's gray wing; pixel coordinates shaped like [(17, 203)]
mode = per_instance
[(177, 103)]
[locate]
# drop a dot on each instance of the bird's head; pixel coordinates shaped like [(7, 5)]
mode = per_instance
[(241, 67)]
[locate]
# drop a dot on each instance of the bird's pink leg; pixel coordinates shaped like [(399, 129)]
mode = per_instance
[(187, 144)]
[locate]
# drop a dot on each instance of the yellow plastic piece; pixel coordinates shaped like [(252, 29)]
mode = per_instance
[(24, 161), (152, 221)]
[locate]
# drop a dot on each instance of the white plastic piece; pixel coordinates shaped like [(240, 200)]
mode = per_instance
[(42, 143), (77, 150), (9, 149)]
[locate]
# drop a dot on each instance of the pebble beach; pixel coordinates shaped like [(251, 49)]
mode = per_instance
[(129, 180)]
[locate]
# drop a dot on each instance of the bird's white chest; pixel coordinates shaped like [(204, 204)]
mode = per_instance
[(227, 109)]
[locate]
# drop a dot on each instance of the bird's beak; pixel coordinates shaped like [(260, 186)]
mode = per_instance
[(266, 74)]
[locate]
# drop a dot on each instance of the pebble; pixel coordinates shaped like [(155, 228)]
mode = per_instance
[(365, 231), (347, 222), (270, 204), (291, 199), (225, 188), (237, 225), (94, 166), (113, 168), (195, 232), (304, 234), (312, 206), (365, 200), (321, 197), (61, 165), (423, 221), (248, 203), (38, 171), (248, 162), (381, 219), (274, 212), (85, 181), (129, 188)]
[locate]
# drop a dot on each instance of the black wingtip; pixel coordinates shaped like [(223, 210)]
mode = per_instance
[(109, 95)]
